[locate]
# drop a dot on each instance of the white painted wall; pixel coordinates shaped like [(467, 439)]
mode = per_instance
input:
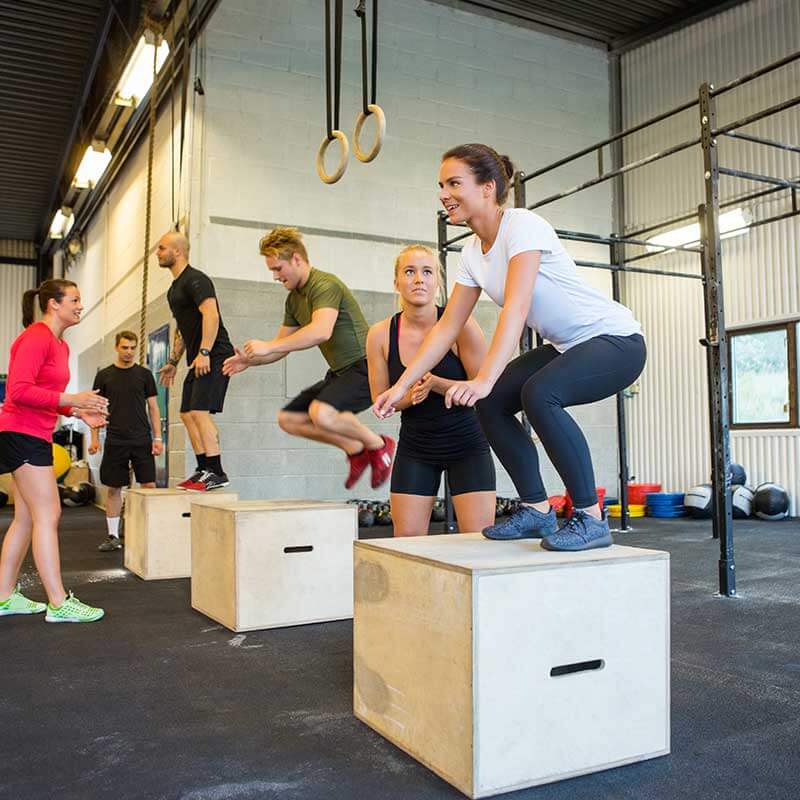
[(109, 273), (669, 419)]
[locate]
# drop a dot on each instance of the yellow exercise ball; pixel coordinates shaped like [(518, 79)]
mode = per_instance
[(61, 461)]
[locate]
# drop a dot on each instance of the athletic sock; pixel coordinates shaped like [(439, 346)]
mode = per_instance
[(113, 526), (201, 461), (214, 464)]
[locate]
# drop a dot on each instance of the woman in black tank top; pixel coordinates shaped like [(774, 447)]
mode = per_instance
[(432, 438)]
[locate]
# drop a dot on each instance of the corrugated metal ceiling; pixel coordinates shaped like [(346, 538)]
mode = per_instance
[(47, 51), (44, 51), (613, 23)]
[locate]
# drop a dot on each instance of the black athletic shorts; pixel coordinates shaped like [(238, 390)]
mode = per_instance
[(17, 449), (119, 457), (472, 474), (206, 393), (347, 391)]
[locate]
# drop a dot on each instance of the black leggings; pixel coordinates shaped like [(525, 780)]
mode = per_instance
[(543, 382)]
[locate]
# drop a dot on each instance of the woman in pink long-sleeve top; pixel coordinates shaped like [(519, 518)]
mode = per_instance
[(38, 373)]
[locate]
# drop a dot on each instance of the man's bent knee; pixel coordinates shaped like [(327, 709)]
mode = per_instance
[(322, 414), (285, 421)]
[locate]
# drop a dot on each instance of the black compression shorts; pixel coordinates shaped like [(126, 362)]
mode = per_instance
[(474, 473)]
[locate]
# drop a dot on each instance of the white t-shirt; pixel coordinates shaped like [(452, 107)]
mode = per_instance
[(564, 310)]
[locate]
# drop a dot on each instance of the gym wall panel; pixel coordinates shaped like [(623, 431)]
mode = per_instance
[(14, 280), (669, 439), (771, 453)]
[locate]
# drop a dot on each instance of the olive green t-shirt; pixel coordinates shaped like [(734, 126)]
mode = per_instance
[(324, 290)]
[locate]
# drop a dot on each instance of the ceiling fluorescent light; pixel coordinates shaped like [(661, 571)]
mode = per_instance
[(62, 223), (137, 78), (731, 223), (92, 166)]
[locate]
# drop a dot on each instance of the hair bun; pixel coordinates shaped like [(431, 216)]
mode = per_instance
[(508, 165)]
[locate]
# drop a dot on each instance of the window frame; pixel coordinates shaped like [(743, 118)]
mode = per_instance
[(790, 326)]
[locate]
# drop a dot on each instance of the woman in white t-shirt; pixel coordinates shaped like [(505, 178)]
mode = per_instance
[(595, 348)]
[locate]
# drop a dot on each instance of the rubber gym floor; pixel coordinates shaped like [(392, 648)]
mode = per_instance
[(157, 702)]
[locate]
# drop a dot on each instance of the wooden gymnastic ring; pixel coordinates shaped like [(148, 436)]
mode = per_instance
[(342, 163), (360, 120)]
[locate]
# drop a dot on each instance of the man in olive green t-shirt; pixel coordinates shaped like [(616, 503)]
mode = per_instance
[(321, 312)]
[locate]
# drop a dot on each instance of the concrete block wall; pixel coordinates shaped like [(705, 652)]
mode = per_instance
[(263, 461)]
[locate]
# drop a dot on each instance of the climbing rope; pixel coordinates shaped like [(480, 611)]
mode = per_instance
[(148, 204)]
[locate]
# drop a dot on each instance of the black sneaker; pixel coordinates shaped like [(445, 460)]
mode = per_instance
[(209, 481), (111, 543)]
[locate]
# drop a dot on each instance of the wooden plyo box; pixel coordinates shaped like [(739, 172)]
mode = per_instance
[(500, 665), (270, 564), (158, 530)]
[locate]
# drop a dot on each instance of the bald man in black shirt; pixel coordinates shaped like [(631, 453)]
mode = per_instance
[(202, 335)]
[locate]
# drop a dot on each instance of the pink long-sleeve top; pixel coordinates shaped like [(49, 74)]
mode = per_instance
[(38, 372)]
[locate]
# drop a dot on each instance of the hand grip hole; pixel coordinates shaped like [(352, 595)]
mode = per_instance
[(580, 666)]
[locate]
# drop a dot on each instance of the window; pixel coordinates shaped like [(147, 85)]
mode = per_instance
[(763, 376)]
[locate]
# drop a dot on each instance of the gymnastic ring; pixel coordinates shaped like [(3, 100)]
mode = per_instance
[(342, 163), (360, 120)]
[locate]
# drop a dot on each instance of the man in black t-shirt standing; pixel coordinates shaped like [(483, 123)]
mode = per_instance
[(133, 435), (202, 335)]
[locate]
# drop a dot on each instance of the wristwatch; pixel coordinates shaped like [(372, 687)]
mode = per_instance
[(204, 351)]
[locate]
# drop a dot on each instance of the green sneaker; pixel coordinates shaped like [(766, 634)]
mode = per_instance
[(17, 603), (72, 610)]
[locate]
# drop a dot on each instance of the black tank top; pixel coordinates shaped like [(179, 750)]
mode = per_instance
[(430, 432)]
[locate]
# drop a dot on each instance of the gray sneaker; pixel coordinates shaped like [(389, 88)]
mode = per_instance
[(524, 523), (110, 544), (579, 532)]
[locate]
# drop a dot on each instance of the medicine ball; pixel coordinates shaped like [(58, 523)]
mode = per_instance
[(79, 495), (3, 499), (438, 514), (699, 501), (61, 461), (742, 501), (771, 501), (737, 475)]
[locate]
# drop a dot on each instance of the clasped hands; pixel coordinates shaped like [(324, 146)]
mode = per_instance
[(460, 393)]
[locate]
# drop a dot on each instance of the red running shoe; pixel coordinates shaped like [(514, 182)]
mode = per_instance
[(381, 460), (358, 463), (189, 483)]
